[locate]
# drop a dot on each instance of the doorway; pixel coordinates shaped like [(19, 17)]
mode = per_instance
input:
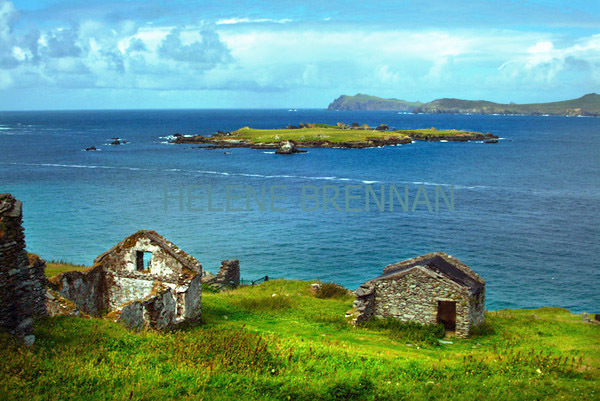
[(446, 314)]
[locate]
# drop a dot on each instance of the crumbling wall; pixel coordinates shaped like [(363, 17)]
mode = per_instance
[(127, 283), (193, 299), (157, 311), (228, 275), (22, 280), (87, 289)]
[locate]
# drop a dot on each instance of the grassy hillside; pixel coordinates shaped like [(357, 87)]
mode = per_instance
[(277, 341), (588, 105), (366, 102), (55, 267)]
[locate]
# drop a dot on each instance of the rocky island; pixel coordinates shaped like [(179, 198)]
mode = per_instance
[(287, 140), (366, 102)]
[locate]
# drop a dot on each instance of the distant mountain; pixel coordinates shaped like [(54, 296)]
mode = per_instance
[(366, 102), (588, 105)]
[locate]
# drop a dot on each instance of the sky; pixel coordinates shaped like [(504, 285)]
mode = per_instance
[(131, 54)]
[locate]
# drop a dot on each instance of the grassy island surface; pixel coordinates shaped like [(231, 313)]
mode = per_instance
[(324, 135), (279, 341)]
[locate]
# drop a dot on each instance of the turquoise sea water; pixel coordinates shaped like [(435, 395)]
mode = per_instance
[(526, 210)]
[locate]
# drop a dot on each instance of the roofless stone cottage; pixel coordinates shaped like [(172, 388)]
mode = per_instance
[(433, 288), (143, 281)]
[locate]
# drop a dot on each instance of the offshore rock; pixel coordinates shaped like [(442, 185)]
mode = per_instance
[(288, 148)]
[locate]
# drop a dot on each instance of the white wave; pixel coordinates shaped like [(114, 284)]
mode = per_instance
[(269, 153), (252, 175), (63, 165), (227, 174), (435, 184)]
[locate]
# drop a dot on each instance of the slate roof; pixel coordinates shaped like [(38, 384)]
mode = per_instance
[(441, 263)]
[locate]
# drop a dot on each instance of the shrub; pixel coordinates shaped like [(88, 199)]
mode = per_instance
[(409, 331), (484, 329), (207, 288), (331, 290)]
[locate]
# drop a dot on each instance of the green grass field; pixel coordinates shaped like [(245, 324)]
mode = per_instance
[(330, 133), (55, 267), (277, 341)]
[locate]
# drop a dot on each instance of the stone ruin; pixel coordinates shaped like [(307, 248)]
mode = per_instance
[(144, 281), (22, 280), (227, 277), (429, 289)]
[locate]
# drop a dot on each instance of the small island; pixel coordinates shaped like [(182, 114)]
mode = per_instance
[(310, 135)]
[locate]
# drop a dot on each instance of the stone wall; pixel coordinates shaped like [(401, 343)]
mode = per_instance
[(87, 289), (228, 275), (22, 280), (477, 308), (413, 296), (157, 311)]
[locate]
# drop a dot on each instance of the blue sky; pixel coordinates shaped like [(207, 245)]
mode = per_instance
[(74, 54)]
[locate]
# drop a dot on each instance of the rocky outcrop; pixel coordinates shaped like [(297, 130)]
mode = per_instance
[(288, 148), (228, 275), (459, 137), (22, 280)]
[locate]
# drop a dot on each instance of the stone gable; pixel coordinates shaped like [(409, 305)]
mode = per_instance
[(124, 283)]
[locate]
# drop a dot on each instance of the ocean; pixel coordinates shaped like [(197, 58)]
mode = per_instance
[(524, 213)]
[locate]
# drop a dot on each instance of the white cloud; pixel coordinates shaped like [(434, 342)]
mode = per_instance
[(254, 54), (233, 21), (544, 62)]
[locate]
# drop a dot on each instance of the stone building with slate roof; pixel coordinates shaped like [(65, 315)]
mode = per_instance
[(433, 288)]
